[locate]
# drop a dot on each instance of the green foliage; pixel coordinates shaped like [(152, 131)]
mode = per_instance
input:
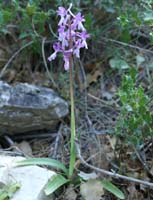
[(123, 20), (135, 119), (56, 182), (28, 17), (113, 189), (8, 191), (26, 21)]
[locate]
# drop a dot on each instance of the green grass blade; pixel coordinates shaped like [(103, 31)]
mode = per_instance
[(54, 183), (113, 189), (44, 161)]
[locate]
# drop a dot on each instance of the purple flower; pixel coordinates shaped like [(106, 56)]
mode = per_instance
[(72, 35), (66, 63), (84, 35), (62, 36), (57, 48), (76, 52), (66, 56), (62, 12), (61, 29), (78, 46), (77, 22)]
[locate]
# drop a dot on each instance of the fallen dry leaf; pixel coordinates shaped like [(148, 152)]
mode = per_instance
[(25, 147), (108, 91), (92, 77), (91, 190), (70, 194), (112, 141)]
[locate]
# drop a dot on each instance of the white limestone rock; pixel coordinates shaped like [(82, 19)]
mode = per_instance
[(31, 178)]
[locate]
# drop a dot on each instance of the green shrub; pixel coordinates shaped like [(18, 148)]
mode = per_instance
[(135, 119)]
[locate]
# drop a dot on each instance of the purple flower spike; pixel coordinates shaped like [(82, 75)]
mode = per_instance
[(72, 35)]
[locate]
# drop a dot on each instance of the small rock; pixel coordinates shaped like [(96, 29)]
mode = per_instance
[(25, 108)]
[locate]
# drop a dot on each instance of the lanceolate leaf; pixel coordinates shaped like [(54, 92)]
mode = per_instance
[(54, 183), (44, 161), (113, 189)]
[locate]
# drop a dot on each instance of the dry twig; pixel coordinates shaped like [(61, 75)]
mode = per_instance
[(57, 141), (13, 56), (128, 45), (112, 174), (45, 62)]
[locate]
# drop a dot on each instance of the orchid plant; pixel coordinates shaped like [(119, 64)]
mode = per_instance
[(72, 37)]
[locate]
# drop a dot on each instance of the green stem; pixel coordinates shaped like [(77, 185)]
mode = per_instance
[(72, 140)]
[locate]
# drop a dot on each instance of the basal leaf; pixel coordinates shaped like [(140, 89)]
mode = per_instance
[(43, 161), (54, 183), (113, 189)]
